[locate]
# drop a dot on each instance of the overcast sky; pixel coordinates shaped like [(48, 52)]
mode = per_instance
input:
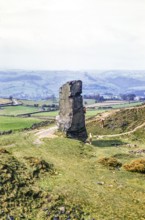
[(72, 34)]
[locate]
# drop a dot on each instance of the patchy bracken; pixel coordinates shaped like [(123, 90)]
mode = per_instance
[(16, 188), (39, 166), (19, 197), (110, 162)]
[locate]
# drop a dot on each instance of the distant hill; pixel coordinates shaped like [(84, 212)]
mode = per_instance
[(41, 84)]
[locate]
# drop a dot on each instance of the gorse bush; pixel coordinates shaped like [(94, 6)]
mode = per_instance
[(136, 166)]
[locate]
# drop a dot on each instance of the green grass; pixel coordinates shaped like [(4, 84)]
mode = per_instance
[(89, 113), (103, 192), (15, 123), (16, 110), (78, 176), (45, 114), (89, 101), (127, 105), (40, 102)]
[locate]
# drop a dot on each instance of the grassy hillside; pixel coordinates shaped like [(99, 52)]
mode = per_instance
[(63, 178), (117, 121)]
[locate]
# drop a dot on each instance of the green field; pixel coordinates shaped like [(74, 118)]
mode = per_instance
[(89, 101), (50, 102), (45, 114), (16, 110), (89, 113), (127, 105), (39, 102), (15, 123)]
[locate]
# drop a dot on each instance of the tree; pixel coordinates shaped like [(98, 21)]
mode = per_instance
[(128, 97), (11, 97)]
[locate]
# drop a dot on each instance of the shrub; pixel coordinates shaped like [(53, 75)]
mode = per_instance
[(136, 166), (110, 162)]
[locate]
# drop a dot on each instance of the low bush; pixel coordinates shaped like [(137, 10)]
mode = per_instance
[(136, 166), (110, 162)]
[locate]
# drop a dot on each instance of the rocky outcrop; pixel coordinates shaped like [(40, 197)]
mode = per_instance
[(72, 115)]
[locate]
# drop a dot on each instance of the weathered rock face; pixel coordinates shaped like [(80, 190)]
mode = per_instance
[(72, 116)]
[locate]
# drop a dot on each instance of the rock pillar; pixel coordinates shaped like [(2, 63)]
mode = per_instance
[(72, 115)]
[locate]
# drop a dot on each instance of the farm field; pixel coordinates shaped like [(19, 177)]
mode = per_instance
[(39, 102), (16, 123), (16, 110), (4, 101), (46, 114), (114, 103), (89, 113), (89, 101), (50, 102), (127, 105)]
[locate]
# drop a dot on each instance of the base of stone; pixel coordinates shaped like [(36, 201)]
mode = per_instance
[(78, 135)]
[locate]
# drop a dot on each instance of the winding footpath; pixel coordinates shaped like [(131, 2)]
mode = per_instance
[(45, 133), (121, 134)]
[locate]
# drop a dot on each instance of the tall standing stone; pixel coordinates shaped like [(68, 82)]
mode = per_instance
[(72, 115)]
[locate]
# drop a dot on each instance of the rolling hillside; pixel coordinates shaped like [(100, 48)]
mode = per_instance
[(41, 84)]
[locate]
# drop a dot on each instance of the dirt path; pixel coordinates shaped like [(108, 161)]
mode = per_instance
[(45, 133), (125, 133)]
